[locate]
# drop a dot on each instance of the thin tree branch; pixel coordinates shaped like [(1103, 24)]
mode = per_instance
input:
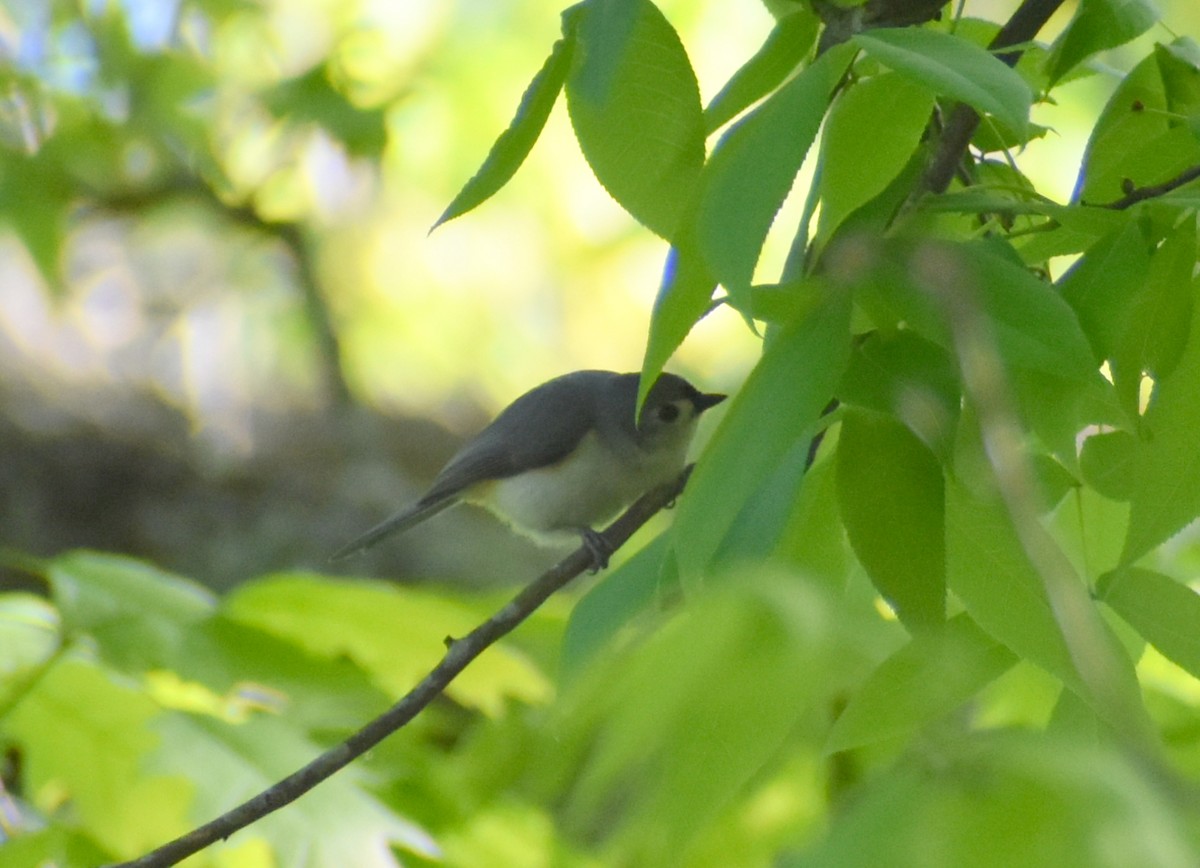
[(1133, 195), (1024, 25), (459, 653)]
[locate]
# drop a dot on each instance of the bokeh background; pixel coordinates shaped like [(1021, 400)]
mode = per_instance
[(228, 339)]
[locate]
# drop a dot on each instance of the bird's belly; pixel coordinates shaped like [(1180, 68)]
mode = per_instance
[(585, 489)]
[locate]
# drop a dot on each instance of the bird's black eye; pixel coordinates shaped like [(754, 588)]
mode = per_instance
[(668, 413)]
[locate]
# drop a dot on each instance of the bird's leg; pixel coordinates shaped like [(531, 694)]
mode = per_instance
[(597, 547)]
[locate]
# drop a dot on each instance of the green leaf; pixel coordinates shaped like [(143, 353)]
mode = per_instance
[(989, 570), (1107, 462), (684, 296), (778, 405), (515, 143), (784, 49), (891, 500), (1163, 610), (359, 620), (953, 67), (1166, 491), (336, 824), (608, 607), (1096, 26), (1136, 140), (925, 680), (901, 373), (753, 167), (1157, 327), (35, 197), (676, 742), (1016, 797), (30, 633), (635, 106), (1034, 327), (137, 613), (857, 164), (86, 737), (1101, 285)]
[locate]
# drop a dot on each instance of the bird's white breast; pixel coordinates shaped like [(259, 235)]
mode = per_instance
[(585, 489)]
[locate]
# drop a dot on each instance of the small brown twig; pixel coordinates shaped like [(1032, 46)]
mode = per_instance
[(1133, 195), (459, 653)]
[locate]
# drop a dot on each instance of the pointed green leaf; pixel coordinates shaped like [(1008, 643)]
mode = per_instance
[(926, 679), (608, 607), (1164, 611), (635, 106), (857, 164), (685, 294), (88, 735), (137, 614), (1107, 460), (778, 405), (754, 166), (358, 619), (953, 67), (989, 570), (1156, 330), (514, 144), (1096, 26), (1101, 285), (786, 46), (1166, 491), (891, 501)]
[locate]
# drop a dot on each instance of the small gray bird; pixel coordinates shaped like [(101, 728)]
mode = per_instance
[(564, 457)]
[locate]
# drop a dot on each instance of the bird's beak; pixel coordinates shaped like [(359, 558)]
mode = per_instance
[(707, 401)]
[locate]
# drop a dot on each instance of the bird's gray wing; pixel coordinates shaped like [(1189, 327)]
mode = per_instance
[(539, 429)]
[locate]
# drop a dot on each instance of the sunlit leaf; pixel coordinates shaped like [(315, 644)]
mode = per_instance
[(635, 106), (1157, 327), (787, 44), (86, 737), (335, 824), (856, 163), (753, 167), (953, 67), (1107, 462), (1096, 26), (988, 568), (396, 634), (137, 613), (515, 143), (1163, 610), (685, 294)]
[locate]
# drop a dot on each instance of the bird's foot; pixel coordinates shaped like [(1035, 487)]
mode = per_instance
[(598, 548)]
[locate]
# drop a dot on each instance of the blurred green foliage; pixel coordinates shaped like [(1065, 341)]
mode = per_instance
[(950, 622)]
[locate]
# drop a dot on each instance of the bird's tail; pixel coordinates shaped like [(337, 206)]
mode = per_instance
[(402, 520)]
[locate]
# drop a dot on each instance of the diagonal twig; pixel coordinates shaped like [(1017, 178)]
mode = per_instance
[(1024, 25), (459, 653)]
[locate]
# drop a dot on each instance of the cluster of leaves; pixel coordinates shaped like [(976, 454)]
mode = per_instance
[(134, 705), (127, 107), (1009, 465), (1010, 455)]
